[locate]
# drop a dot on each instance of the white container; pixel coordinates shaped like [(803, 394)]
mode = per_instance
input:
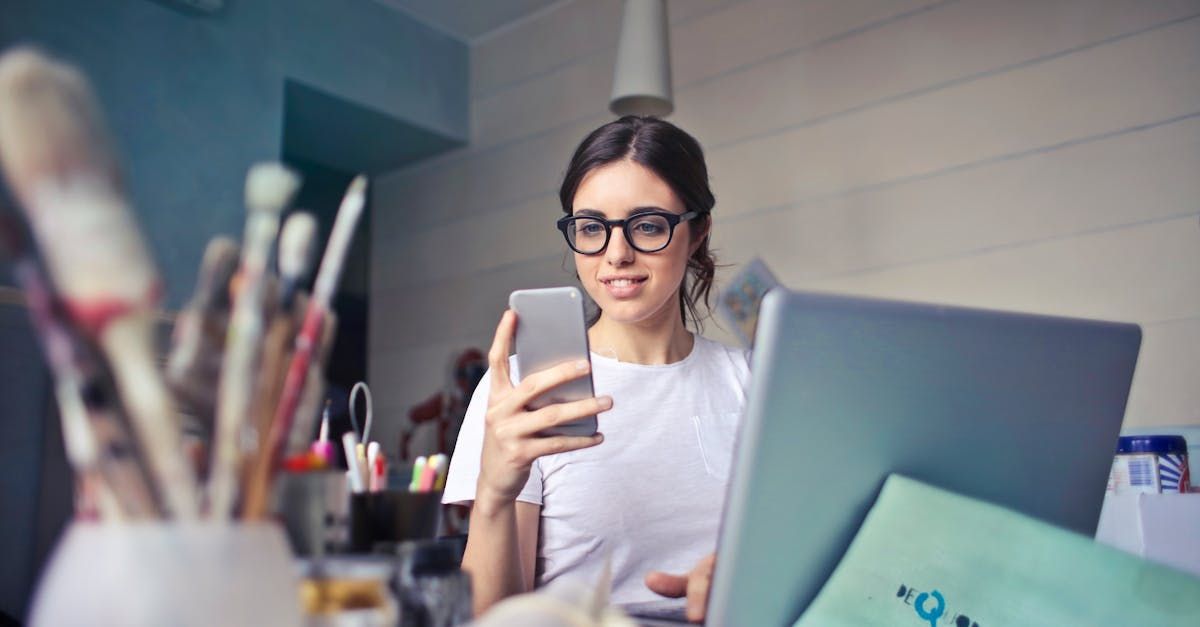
[(1159, 527), (169, 574)]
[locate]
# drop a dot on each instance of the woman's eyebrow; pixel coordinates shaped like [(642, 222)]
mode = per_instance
[(632, 212)]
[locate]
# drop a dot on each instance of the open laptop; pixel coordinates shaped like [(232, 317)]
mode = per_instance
[(1018, 410)]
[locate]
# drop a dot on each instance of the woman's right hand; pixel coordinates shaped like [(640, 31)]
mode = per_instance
[(510, 440)]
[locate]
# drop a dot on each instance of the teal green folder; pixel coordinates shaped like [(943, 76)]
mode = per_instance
[(925, 556)]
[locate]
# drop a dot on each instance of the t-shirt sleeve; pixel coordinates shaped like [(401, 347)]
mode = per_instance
[(464, 465)]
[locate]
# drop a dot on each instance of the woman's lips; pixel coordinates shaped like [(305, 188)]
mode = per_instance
[(622, 288)]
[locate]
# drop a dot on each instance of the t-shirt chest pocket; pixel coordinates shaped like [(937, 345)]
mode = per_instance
[(716, 434)]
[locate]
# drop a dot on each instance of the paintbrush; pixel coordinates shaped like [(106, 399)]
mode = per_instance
[(58, 161), (194, 365), (96, 436), (296, 244), (304, 422), (308, 340), (295, 298), (269, 188), (258, 480)]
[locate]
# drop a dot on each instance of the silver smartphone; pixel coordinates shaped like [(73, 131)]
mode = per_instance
[(551, 331)]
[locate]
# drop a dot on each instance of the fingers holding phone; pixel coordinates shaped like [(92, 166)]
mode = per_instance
[(501, 381), (533, 419), (551, 335), (551, 419)]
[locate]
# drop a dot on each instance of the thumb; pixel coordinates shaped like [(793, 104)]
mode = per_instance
[(666, 584)]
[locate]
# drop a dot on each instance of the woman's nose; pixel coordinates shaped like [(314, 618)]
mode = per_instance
[(619, 252)]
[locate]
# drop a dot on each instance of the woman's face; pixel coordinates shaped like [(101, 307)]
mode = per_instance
[(628, 285)]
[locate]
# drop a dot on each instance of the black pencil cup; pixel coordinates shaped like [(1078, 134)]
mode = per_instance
[(381, 520)]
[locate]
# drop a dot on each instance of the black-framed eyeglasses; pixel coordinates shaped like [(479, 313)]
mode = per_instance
[(647, 232)]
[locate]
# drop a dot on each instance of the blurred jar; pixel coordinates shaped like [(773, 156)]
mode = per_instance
[(168, 573), (1150, 464), (346, 591)]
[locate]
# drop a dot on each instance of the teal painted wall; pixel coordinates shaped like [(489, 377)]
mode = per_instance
[(194, 99)]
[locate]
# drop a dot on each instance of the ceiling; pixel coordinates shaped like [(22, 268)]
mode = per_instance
[(468, 20)]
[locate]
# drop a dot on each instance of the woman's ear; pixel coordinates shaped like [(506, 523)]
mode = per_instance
[(698, 236)]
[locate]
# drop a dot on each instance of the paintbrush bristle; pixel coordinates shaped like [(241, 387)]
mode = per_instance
[(57, 157), (344, 224), (358, 186), (217, 268), (296, 243), (270, 187), (50, 123)]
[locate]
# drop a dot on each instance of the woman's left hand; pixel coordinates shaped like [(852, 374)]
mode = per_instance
[(694, 585)]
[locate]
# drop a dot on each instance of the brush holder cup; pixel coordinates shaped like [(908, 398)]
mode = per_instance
[(158, 573), (314, 508)]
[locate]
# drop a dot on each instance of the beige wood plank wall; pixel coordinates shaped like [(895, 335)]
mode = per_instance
[(1037, 155)]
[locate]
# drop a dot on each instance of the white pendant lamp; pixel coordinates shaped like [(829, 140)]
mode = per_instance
[(642, 79)]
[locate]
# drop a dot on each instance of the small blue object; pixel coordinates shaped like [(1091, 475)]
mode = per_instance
[(937, 612), (1156, 444)]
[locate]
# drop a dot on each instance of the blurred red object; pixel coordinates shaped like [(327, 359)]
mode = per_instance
[(447, 407)]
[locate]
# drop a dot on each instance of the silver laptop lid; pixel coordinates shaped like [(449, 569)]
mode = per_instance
[(1019, 410)]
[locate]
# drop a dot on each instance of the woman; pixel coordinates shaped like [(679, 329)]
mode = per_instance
[(647, 494)]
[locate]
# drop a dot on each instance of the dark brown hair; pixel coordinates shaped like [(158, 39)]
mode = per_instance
[(677, 159)]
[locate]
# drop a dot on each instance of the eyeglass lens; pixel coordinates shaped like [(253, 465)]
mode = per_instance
[(649, 233)]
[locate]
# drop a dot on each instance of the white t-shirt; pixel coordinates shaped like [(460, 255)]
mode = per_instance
[(651, 494)]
